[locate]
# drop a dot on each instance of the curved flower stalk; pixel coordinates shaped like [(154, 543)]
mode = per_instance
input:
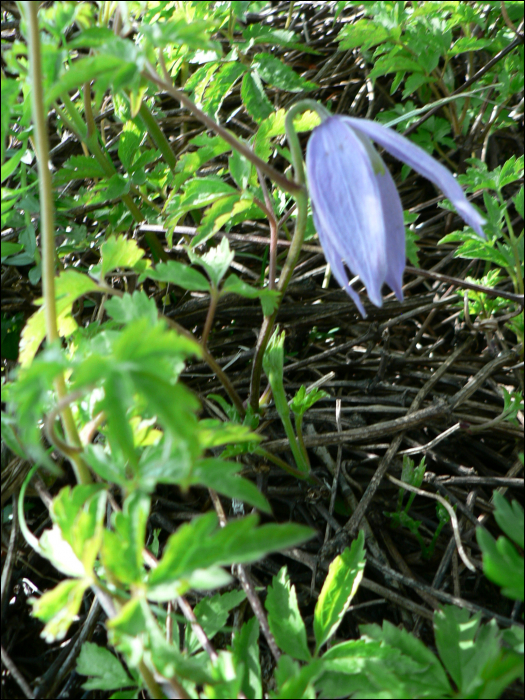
[(356, 207)]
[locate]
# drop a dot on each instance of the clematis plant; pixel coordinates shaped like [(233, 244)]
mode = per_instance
[(356, 207)]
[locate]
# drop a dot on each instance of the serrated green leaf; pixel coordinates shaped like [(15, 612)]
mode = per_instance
[(221, 85), (128, 145), (363, 33), (216, 261), (269, 298), (201, 544), (240, 169), (254, 98), (122, 547), (215, 216), (104, 670), (221, 476), (279, 74), (59, 608), (69, 286), (245, 649), (212, 614), (132, 307), (302, 401), (433, 681), (178, 274), (502, 564), (80, 513), (344, 576), (455, 632), (110, 68), (284, 618), (509, 517), (119, 251)]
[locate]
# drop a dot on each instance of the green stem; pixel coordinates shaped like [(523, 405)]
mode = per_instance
[(305, 476), (89, 135), (275, 175), (214, 299), (514, 247), (301, 199), (300, 439), (47, 226), (158, 136)]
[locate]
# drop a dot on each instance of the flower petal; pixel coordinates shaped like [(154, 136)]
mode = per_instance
[(333, 257), (347, 202), (395, 230), (418, 159)]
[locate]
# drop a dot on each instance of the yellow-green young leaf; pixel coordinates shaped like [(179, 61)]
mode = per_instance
[(119, 251), (344, 576), (69, 286), (59, 607), (80, 513), (122, 548)]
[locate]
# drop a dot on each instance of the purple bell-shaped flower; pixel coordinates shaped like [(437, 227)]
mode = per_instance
[(356, 207)]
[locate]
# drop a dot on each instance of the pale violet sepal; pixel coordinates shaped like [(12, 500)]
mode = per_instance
[(356, 207)]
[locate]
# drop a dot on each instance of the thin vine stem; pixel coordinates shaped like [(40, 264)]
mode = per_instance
[(301, 200), (47, 228)]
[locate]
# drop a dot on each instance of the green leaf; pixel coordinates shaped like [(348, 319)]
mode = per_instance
[(212, 614), (280, 75), (344, 576), (269, 297), (103, 668), (121, 552), (220, 213), (432, 680), (112, 69), (294, 681), (200, 544), (502, 564), (202, 191), (304, 400), (509, 517), (128, 145), (216, 261), (284, 618), (79, 168), (254, 98), (262, 34), (132, 307), (240, 169), (221, 85), (274, 126), (11, 165), (461, 647), (363, 33), (59, 608), (393, 63), (245, 649), (80, 514), (178, 274), (9, 248), (213, 433), (69, 286), (119, 251), (220, 475)]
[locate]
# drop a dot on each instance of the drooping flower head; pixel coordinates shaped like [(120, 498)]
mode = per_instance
[(356, 207)]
